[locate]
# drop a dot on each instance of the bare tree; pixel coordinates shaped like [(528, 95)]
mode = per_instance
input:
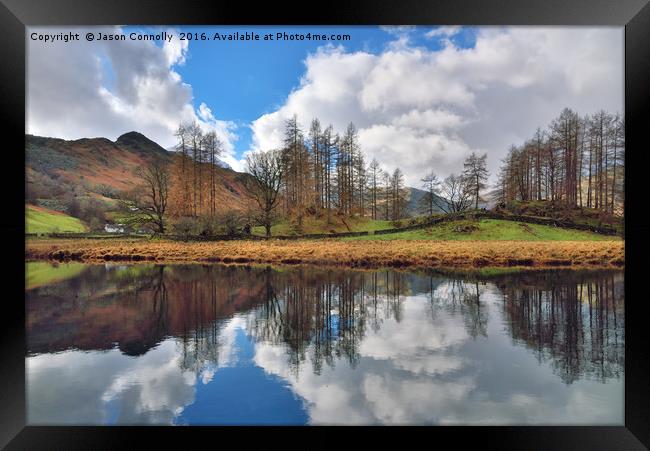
[(386, 191), (266, 169), (213, 148), (457, 194), (577, 162), (146, 204), (183, 134)]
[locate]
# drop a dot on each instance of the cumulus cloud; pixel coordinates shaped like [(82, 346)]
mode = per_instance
[(423, 109), (106, 88)]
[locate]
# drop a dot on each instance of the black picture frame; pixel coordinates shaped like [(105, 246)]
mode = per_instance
[(15, 15)]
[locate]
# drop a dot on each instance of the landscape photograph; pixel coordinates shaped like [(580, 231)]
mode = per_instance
[(325, 225)]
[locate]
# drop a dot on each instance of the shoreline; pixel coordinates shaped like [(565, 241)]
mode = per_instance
[(393, 254)]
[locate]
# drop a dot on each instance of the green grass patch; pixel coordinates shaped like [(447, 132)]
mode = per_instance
[(45, 273), (40, 220), (490, 229)]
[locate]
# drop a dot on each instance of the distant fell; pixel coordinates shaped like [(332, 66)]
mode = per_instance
[(137, 142)]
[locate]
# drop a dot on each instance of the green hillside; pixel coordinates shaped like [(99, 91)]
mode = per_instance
[(42, 220)]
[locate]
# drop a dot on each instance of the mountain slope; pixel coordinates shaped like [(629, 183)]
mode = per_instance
[(91, 161), (415, 207), (58, 170)]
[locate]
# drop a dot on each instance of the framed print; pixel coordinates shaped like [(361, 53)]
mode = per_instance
[(424, 214)]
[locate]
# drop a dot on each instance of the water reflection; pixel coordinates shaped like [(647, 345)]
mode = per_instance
[(576, 322), (217, 344)]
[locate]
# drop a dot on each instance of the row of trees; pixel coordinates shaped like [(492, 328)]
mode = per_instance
[(194, 172), (577, 161), (323, 171), (457, 192), (326, 172)]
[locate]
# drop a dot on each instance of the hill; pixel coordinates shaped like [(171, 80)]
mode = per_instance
[(93, 164), (83, 176), (313, 224)]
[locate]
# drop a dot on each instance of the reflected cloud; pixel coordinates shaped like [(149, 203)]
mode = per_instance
[(107, 387)]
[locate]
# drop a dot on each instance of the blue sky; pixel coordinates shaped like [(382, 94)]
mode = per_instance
[(422, 98), (243, 80)]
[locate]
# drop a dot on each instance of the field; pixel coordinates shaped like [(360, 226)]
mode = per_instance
[(42, 220), (396, 253), (490, 229)]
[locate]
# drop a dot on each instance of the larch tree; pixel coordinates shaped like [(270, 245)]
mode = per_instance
[(476, 174), (577, 162), (398, 194), (374, 174), (430, 184)]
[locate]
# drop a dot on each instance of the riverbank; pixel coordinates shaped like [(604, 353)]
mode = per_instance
[(372, 254)]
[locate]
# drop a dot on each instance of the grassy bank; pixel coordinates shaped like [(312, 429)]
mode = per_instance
[(396, 253), (490, 229)]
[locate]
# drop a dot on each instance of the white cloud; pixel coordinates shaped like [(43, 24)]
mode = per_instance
[(175, 50), (423, 109), (106, 88), (446, 31), (425, 368)]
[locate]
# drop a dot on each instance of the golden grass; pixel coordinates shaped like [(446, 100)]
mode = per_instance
[(398, 253)]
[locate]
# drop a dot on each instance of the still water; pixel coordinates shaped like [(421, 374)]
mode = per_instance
[(193, 344)]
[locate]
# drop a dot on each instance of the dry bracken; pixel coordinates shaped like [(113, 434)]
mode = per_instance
[(330, 252)]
